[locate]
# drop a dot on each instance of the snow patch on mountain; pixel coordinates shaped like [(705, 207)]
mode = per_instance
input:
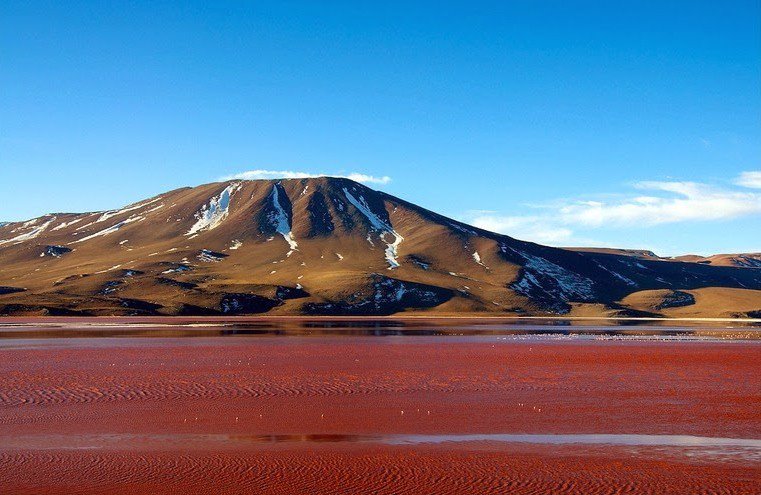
[(462, 229), (112, 213), (209, 256), (421, 263), (215, 211), (543, 279), (155, 208), (111, 229), (477, 259), (747, 261), (26, 224), (178, 269), (279, 219), (109, 269), (620, 277), (36, 231), (63, 225), (384, 229), (387, 295), (55, 251), (390, 289)]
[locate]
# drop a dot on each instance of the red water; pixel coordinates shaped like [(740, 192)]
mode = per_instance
[(60, 399)]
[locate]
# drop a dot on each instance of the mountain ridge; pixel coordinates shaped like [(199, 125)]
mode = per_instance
[(332, 246)]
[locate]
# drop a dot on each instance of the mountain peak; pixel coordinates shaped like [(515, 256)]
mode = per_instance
[(329, 245)]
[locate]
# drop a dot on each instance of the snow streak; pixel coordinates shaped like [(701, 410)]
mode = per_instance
[(29, 235), (279, 219), (379, 225), (213, 213)]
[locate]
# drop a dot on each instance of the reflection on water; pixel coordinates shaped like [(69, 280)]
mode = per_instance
[(589, 439), (746, 448), (531, 329), (552, 439)]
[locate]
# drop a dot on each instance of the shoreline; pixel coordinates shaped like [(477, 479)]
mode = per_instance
[(396, 318)]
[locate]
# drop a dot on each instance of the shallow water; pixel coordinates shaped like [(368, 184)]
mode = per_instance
[(334, 406), (513, 329), (124, 441)]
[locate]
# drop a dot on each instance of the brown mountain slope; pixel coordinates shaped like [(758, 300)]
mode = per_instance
[(747, 260), (320, 246), (635, 253)]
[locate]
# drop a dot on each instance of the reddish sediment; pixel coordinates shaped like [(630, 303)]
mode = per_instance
[(56, 395)]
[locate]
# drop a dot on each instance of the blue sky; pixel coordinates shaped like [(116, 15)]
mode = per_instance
[(631, 124)]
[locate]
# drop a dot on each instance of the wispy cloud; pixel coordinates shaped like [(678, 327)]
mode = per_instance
[(369, 179), (659, 202), (290, 174), (532, 227), (683, 202), (750, 179)]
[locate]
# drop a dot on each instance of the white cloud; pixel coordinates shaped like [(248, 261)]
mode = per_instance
[(686, 201), (663, 202), (289, 174), (750, 179), (530, 227), (369, 179)]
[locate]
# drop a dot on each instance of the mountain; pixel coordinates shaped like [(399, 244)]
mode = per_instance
[(331, 246), (749, 260), (637, 253)]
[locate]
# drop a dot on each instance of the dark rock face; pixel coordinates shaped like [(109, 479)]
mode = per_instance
[(389, 296), (71, 278), (748, 262), (55, 251), (677, 299), (4, 289), (110, 286), (15, 309), (140, 305), (358, 194), (177, 267), (342, 211), (176, 283), (113, 285), (275, 207), (284, 293), (548, 283), (209, 256), (420, 261), (194, 310), (320, 221), (246, 304)]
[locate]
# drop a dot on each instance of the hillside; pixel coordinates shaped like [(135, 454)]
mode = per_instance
[(330, 246)]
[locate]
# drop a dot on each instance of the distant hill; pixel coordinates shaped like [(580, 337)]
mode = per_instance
[(637, 253), (747, 260), (331, 246)]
